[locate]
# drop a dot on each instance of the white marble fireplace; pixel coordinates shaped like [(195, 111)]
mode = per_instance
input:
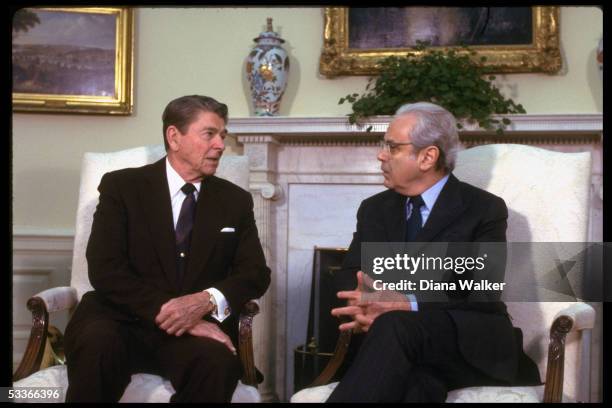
[(308, 176)]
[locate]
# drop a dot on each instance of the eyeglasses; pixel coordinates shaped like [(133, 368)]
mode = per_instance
[(389, 146)]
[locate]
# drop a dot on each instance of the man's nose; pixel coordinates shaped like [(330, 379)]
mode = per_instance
[(382, 156), (218, 142)]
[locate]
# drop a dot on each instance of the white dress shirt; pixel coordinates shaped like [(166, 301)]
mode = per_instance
[(175, 183)]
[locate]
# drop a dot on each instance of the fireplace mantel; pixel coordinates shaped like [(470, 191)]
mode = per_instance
[(339, 125)]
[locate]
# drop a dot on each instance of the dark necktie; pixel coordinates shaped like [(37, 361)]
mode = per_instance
[(414, 224), (183, 229)]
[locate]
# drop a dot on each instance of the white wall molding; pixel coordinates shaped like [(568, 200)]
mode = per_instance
[(43, 242)]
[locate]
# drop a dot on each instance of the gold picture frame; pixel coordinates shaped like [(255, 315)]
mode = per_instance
[(73, 60), (542, 54)]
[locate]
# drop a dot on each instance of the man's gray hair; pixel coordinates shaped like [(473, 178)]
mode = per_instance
[(434, 126)]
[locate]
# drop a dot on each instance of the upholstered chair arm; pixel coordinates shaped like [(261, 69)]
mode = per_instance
[(578, 316), (582, 315), (344, 339), (245, 339), (60, 298), (41, 304)]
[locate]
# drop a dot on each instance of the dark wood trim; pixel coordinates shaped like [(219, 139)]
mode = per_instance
[(336, 361), (553, 390), (30, 363), (245, 347)]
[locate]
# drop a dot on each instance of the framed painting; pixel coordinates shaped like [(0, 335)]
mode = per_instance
[(73, 60), (513, 39)]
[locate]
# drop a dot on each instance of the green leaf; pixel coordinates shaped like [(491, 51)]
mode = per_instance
[(454, 81)]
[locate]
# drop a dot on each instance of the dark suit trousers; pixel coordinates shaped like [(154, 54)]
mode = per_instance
[(408, 357), (104, 354)]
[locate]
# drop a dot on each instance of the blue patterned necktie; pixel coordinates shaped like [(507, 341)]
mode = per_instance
[(414, 224)]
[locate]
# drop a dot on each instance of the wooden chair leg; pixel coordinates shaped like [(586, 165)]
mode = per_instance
[(245, 347)]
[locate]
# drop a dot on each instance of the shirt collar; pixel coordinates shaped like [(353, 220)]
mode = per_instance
[(430, 195), (176, 182)]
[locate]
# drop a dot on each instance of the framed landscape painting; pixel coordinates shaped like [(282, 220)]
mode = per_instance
[(513, 39), (73, 60)]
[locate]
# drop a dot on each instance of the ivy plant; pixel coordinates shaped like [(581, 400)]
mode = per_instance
[(454, 81)]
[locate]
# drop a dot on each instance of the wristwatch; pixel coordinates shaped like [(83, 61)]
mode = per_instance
[(213, 301)]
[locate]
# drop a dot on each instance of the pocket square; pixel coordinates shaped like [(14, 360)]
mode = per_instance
[(228, 229)]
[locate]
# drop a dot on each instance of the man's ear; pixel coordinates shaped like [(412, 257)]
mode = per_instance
[(428, 158), (172, 135)]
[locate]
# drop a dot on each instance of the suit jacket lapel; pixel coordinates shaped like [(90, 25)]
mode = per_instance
[(209, 217), (447, 208), (395, 217), (155, 197)]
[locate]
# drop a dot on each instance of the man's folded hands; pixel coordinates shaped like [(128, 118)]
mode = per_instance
[(180, 314)]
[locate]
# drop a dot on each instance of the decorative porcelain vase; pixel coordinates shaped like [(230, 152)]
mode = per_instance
[(267, 68)]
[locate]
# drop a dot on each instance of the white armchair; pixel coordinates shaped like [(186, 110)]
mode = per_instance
[(42, 364), (547, 194)]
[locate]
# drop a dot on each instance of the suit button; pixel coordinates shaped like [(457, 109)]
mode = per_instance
[(182, 254)]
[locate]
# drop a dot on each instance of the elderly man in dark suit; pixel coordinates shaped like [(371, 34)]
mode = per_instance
[(416, 351), (173, 256)]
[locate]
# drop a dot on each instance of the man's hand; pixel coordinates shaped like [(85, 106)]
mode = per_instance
[(365, 304), (181, 314), (353, 298), (212, 331)]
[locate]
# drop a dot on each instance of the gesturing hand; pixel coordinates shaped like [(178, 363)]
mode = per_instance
[(181, 314), (365, 304), (353, 298), (212, 331)]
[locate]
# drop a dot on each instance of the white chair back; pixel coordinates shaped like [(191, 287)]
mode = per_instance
[(231, 167), (547, 194)]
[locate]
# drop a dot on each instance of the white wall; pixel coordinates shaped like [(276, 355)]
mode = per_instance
[(202, 50)]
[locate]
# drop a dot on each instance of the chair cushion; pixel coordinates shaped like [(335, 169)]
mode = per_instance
[(314, 394), (497, 394), (471, 394), (142, 388)]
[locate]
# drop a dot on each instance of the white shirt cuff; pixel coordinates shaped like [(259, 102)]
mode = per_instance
[(414, 306), (223, 309)]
